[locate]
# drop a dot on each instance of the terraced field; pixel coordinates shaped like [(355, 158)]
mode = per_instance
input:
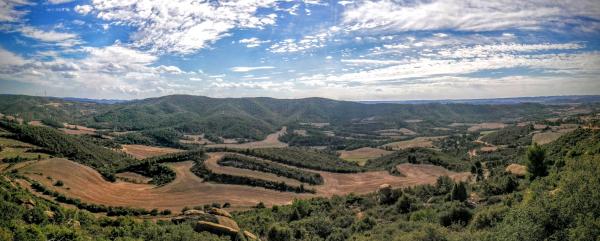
[(189, 190)]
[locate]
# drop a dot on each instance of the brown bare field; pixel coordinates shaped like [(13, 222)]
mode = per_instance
[(36, 123), (413, 121), (300, 132), (195, 139), (546, 137), (133, 177), (456, 124), (517, 169), (142, 151), (361, 155), (189, 190), (416, 142), (430, 172), (77, 130), (186, 190), (556, 132), (486, 126), (392, 132), (272, 140)]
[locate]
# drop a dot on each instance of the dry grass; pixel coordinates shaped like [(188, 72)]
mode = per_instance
[(556, 132), (486, 126), (142, 151), (77, 130), (300, 132), (516, 169), (133, 177), (426, 142), (361, 155), (430, 172), (189, 190), (396, 132), (195, 139), (272, 140), (36, 123)]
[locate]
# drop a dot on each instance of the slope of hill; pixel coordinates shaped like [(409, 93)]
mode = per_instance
[(250, 118)]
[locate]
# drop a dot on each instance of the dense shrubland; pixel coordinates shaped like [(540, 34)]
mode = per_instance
[(512, 136), (564, 205), (418, 156), (24, 216), (75, 148)]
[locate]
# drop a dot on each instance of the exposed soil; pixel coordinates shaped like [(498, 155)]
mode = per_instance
[(416, 142), (142, 151), (361, 155), (486, 126), (189, 190), (272, 140)]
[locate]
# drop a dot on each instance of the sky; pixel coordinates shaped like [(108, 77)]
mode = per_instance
[(348, 50)]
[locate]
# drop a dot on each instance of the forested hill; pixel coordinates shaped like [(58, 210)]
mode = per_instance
[(247, 117)]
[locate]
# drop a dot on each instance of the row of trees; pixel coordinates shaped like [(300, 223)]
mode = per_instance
[(201, 171), (299, 157), (244, 162)]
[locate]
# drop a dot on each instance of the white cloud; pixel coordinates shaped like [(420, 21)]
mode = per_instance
[(8, 11), (59, 38), (253, 42), (113, 70), (9, 58), (465, 15), (184, 26), (59, 1), (456, 61), (248, 69), (83, 9)]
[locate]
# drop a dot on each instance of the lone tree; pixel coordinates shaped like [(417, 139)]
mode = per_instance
[(536, 165), (459, 192)]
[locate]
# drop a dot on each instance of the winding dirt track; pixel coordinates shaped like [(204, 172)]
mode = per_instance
[(189, 190)]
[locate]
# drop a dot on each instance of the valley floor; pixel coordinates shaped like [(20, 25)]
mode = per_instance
[(189, 190)]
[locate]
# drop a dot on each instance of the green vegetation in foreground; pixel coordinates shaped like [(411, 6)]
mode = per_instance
[(564, 205), (244, 162), (75, 148), (418, 156), (24, 216)]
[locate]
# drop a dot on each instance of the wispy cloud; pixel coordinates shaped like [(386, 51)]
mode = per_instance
[(248, 69), (60, 38), (8, 11), (182, 27), (253, 42), (466, 15)]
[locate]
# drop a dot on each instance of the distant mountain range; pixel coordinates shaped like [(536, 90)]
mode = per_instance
[(254, 118), (558, 100)]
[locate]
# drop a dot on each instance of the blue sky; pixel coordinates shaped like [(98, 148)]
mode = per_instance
[(351, 50)]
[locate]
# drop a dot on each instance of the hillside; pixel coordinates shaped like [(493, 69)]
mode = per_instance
[(250, 118)]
